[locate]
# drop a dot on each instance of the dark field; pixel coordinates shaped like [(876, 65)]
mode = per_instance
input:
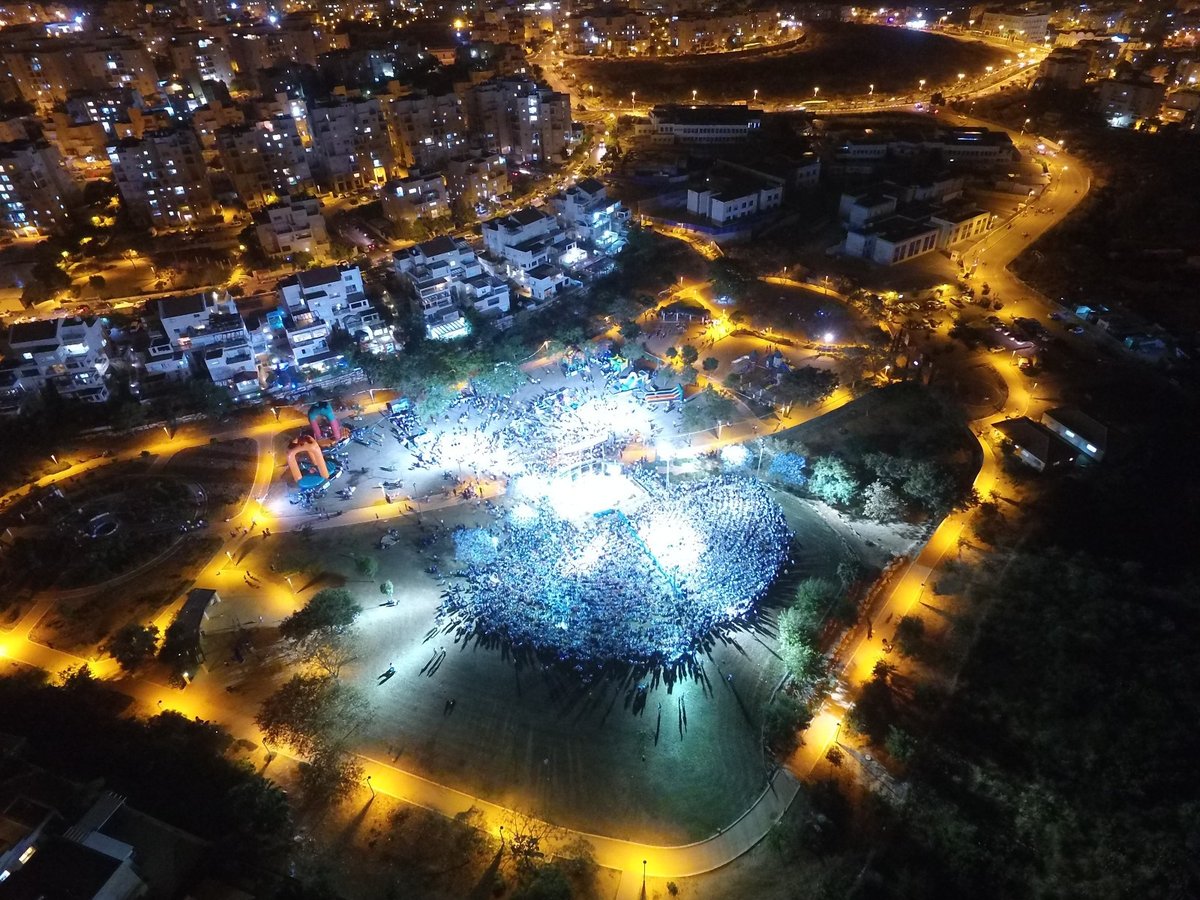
[(840, 59)]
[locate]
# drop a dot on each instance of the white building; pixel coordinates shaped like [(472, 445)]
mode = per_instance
[(1123, 101), (294, 225), (333, 295), (442, 272), (1065, 67), (479, 179), (728, 197), (69, 355), (894, 240), (426, 129), (196, 321), (589, 215), (525, 239), (520, 118), (676, 123)]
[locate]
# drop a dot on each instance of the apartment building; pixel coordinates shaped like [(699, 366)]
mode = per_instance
[(293, 225), (68, 355), (610, 31), (1129, 98), (35, 190), (264, 160), (415, 197), (1029, 27), (520, 118), (162, 178), (478, 179), (426, 129), (200, 55), (1065, 67), (350, 144)]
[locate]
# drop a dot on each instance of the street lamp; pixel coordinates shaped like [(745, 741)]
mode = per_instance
[(816, 90), (921, 83), (1026, 125), (371, 786), (756, 95), (871, 91), (693, 95), (961, 76), (643, 876)]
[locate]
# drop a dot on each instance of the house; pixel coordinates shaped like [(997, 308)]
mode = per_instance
[(1035, 444), (437, 273), (544, 281), (195, 321), (333, 294), (69, 355), (892, 240), (960, 222), (526, 239), (1079, 430), (587, 213)]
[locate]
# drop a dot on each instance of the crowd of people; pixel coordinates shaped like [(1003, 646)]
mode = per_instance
[(649, 583)]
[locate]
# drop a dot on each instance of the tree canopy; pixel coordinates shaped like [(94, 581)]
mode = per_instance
[(327, 610)]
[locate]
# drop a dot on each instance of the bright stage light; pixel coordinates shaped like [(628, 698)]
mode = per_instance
[(734, 455)]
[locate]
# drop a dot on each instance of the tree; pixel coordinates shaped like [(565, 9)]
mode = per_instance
[(689, 354), (881, 503), (710, 364), (327, 610), (910, 635), (132, 646), (813, 600), (810, 385), (312, 713), (547, 883), (328, 651), (97, 282), (331, 773), (387, 589), (931, 485), (366, 566), (688, 375), (706, 409), (783, 720), (899, 744), (789, 468), (630, 329), (832, 481)]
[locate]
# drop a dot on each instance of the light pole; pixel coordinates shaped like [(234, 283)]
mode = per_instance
[(371, 786), (633, 98), (816, 90), (921, 84), (693, 95), (756, 95), (501, 837), (643, 876)]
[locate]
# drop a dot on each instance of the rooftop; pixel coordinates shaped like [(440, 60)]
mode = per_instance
[(705, 115)]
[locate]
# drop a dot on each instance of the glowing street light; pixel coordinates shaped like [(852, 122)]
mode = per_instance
[(961, 76), (633, 98), (756, 95), (871, 91), (921, 83), (693, 95), (816, 90)]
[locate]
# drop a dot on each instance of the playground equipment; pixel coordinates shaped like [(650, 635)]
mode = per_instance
[(332, 428), (668, 396), (632, 380), (306, 446)]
